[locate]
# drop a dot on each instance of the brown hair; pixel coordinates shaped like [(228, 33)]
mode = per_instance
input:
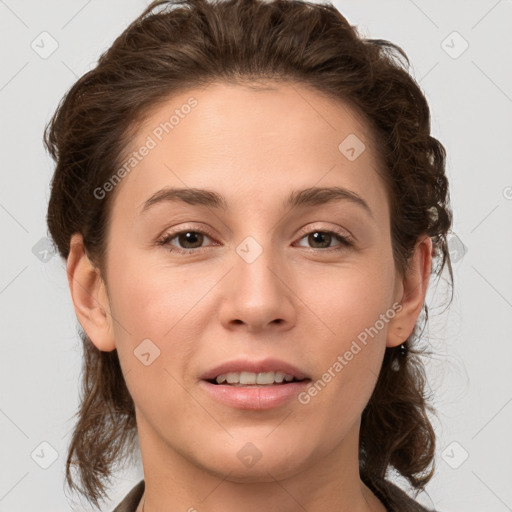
[(191, 43)]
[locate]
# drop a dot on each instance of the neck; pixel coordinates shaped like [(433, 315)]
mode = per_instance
[(330, 482)]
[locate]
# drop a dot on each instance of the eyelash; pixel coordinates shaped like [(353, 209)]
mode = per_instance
[(345, 240)]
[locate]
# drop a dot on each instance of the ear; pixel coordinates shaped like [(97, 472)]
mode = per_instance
[(411, 292), (89, 295)]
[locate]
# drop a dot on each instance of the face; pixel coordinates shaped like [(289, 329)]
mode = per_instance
[(264, 271)]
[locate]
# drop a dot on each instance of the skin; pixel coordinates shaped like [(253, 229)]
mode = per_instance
[(200, 309)]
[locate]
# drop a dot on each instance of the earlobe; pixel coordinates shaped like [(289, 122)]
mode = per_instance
[(89, 296), (412, 292)]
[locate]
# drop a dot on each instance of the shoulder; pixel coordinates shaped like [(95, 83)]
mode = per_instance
[(132, 499), (392, 497)]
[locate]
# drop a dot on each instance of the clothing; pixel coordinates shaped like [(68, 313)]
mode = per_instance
[(132, 499), (394, 498), (391, 496)]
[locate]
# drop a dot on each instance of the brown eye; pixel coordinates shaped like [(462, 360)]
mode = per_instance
[(323, 240), (190, 239), (185, 241)]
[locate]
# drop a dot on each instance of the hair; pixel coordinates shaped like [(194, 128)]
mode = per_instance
[(174, 46)]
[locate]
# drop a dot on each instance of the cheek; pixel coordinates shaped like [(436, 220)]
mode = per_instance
[(352, 311), (155, 331), (164, 306), (151, 301), (350, 300)]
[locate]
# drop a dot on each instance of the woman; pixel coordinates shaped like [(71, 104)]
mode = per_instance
[(250, 204)]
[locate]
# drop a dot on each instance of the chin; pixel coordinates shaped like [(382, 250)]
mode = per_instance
[(257, 462)]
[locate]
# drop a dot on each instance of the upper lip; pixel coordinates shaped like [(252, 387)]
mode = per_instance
[(254, 366)]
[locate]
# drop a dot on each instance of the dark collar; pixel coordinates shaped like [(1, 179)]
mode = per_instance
[(391, 496)]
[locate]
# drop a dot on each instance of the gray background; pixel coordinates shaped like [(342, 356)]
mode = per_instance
[(470, 94)]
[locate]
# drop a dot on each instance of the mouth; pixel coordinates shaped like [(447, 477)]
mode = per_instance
[(255, 385), (250, 372), (253, 379)]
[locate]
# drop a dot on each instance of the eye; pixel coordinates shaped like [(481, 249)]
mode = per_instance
[(190, 240), (322, 239)]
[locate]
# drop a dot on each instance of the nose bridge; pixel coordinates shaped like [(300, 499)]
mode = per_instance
[(256, 294), (255, 270)]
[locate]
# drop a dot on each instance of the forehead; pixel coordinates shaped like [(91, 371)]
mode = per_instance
[(249, 142)]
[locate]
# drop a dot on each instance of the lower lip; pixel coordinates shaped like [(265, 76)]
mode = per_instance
[(254, 397)]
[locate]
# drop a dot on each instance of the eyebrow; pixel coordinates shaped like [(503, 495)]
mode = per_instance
[(308, 197)]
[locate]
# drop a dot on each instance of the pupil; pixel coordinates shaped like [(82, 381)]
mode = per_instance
[(190, 237), (317, 237)]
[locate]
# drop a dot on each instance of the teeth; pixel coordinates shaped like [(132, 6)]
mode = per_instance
[(249, 378), (279, 377)]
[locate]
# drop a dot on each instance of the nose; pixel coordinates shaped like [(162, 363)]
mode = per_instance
[(258, 295)]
